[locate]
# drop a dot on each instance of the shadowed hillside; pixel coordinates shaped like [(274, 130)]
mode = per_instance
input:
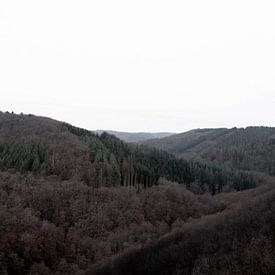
[(236, 241)]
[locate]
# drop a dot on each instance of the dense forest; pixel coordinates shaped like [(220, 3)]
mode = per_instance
[(76, 202), (236, 241)]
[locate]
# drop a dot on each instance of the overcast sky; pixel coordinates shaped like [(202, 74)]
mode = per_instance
[(140, 65)]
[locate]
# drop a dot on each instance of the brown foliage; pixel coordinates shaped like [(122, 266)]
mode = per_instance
[(52, 225)]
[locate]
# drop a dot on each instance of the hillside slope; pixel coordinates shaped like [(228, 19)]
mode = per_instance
[(239, 240), (49, 147), (252, 148)]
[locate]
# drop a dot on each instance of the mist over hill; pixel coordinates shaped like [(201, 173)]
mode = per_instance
[(135, 137)]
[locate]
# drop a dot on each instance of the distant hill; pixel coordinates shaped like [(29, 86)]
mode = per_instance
[(135, 137), (251, 148)]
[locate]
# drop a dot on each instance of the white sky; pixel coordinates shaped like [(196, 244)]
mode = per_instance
[(140, 65)]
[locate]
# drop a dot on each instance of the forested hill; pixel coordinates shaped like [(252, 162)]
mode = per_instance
[(251, 148), (47, 147)]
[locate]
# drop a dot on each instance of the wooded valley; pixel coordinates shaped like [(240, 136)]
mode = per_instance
[(73, 201)]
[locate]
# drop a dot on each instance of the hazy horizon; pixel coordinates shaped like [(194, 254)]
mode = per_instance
[(132, 132), (147, 66)]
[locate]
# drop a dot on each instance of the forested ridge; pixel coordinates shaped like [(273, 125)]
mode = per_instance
[(250, 149), (75, 202), (48, 147)]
